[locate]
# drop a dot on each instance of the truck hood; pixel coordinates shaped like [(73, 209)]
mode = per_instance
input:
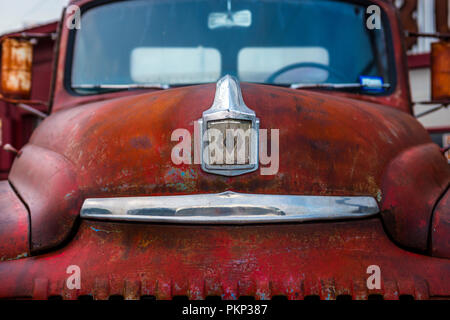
[(327, 145)]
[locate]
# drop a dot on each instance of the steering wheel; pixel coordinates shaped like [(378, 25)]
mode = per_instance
[(274, 75)]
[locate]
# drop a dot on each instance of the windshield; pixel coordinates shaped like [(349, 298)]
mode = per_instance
[(166, 43)]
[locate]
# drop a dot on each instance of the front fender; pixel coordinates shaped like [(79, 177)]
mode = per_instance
[(412, 185), (14, 225), (46, 182), (440, 231)]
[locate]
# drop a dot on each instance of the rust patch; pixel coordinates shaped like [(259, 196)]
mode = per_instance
[(440, 70), (17, 57)]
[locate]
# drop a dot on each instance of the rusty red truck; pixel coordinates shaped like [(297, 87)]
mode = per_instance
[(225, 149)]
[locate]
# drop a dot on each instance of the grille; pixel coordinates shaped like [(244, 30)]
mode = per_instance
[(213, 290), (277, 298)]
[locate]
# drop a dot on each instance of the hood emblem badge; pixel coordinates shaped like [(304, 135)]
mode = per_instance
[(229, 132)]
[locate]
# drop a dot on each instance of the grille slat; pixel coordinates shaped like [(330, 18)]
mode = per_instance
[(310, 289)]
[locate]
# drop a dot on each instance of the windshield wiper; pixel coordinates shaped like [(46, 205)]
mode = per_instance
[(338, 86), (121, 86)]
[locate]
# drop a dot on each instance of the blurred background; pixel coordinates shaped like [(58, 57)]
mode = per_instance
[(21, 14)]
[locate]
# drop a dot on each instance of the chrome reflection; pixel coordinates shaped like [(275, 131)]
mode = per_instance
[(229, 208)]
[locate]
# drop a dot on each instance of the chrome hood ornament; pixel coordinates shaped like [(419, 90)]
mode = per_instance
[(229, 132), (228, 99)]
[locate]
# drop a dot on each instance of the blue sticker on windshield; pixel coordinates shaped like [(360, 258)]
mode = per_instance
[(371, 83)]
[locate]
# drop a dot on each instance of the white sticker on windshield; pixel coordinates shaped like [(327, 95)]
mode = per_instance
[(371, 83)]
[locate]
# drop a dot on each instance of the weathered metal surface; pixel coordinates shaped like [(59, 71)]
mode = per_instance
[(96, 146), (442, 10), (440, 71), (17, 57), (134, 260), (407, 12), (412, 184), (13, 225), (440, 228), (122, 147), (328, 145), (50, 191)]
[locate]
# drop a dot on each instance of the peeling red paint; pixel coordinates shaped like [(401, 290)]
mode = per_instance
[(323, 259), (118, 145), (13, 225), (413, 183), (440, 228)]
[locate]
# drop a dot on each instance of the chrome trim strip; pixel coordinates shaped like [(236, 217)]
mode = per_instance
[(229, 208)]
